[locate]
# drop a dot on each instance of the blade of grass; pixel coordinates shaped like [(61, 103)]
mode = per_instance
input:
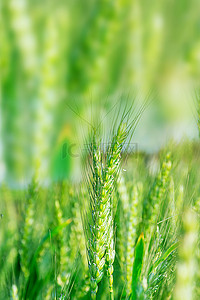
[(164, 256), (137, 265)]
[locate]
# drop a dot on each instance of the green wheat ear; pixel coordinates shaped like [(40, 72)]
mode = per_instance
[(134, 217), (127, 225), (197, 107), (197, 279), (27, 232), (63, 260), (100, 234), (157, 194), (122, 219), (186, 269)]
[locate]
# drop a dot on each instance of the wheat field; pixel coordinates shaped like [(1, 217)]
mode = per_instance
[(99, 150)]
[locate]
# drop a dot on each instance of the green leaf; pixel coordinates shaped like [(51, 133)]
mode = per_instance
[(48, 236), (137, 265), (164, 256)]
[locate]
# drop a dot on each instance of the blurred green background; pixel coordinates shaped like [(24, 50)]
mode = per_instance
[(61, 60)]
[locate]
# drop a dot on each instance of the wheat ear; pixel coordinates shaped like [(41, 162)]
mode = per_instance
[(158, 193), (131, 236), (186, 266), (101, 251)]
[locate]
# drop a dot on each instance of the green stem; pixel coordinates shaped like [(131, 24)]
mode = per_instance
[(111, 287)]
